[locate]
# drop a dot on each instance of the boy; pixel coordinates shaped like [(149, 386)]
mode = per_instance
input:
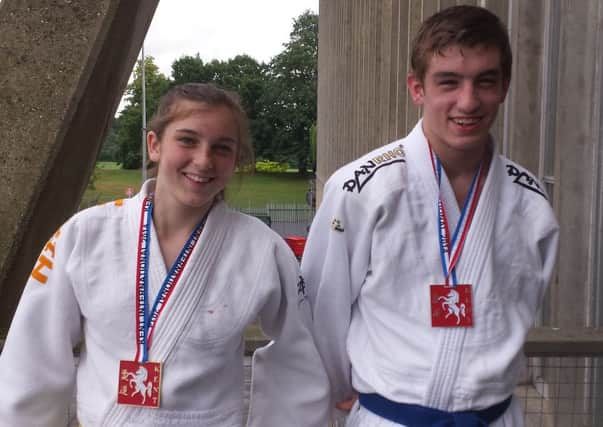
[(429, 257)]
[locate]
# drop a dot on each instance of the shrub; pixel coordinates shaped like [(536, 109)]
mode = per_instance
[(271, 166)]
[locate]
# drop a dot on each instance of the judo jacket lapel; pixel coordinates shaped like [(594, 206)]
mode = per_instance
[(183, 301), (472, 269)]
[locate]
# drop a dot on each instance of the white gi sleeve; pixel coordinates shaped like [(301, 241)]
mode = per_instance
[(37, 370), (542, 235), (289, 383), (335, 263)]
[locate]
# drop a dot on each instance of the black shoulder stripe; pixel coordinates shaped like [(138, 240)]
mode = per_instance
[(525, 180), (364, 173)]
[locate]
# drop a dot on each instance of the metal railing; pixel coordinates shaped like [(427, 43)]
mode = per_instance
[(563, 385), (285, 219), (563, 382)]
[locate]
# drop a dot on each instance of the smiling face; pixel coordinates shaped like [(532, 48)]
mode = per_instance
[(196, 155), (460, 94)]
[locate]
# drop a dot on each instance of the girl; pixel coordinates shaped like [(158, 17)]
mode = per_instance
[(160, 288)]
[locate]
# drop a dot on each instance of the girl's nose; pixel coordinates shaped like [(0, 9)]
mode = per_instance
[(202, 157)]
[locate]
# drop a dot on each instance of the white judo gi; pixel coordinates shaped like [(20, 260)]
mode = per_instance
[(239, 271), (372, 254)]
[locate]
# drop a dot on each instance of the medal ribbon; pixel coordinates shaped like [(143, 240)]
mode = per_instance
[(450, 250), (145, 324)]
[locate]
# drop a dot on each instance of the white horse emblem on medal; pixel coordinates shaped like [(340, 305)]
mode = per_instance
[(452, 307), (138, 383)]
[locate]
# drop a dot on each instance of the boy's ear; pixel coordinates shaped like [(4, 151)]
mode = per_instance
[(415, 88), (153, 146), (506, 83)]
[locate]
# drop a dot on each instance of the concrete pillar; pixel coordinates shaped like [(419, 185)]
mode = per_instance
[(64, 67), (362, 99)]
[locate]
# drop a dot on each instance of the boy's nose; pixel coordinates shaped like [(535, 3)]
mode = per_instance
[(468, 100)]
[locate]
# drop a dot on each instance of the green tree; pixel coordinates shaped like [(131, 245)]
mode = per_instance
[(129, 128), (110, 147), (190, 69), (291, 102)]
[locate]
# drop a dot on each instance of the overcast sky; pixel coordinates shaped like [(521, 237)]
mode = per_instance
[(221, 29)]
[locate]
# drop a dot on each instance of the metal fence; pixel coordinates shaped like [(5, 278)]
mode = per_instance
[(563, 391), (563, 380), (563, 383), (285, 219)]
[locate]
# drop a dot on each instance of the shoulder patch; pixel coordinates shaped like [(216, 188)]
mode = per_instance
[(524, 179), (364, 173), (44, 263)]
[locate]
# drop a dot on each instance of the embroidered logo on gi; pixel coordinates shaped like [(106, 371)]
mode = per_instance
[(451, 306), (301, 288), (336, 225), (364, 173), (525, 180), (44, 263)]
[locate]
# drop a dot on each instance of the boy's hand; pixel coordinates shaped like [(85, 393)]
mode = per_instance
[(346, 405)]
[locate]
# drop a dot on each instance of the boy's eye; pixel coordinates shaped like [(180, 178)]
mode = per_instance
[(447, 83), (487, 82)]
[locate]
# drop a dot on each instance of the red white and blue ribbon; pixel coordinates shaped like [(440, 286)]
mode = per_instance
[(450, 249), (145, 322)]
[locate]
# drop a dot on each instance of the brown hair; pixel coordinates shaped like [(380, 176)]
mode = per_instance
[(460, 25), (210, 95)]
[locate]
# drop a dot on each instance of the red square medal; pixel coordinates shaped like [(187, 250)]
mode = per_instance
[(451, 305), (139, 383)]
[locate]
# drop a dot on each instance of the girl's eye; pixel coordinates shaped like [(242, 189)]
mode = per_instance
[(186, 140), (223, 148)]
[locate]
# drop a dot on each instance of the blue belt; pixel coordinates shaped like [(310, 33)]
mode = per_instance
[(422, 416)]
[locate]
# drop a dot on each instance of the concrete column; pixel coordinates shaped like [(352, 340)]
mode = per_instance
[(64, 67), (362, 66), (577, 137)]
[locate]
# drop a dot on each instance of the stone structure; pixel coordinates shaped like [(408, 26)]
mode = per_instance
[(552, 121), (64, 66)]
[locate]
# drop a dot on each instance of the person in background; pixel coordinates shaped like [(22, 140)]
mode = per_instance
[(429, 257), (159, 289)]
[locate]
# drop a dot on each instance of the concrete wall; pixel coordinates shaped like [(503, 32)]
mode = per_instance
[(64, 67)]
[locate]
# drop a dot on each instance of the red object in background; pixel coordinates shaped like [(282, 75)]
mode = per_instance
[(297, 244)]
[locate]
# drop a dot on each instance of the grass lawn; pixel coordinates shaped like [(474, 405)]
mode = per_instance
[(247, 191)]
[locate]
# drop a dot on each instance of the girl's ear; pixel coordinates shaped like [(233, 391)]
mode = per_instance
[(153, 146)]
